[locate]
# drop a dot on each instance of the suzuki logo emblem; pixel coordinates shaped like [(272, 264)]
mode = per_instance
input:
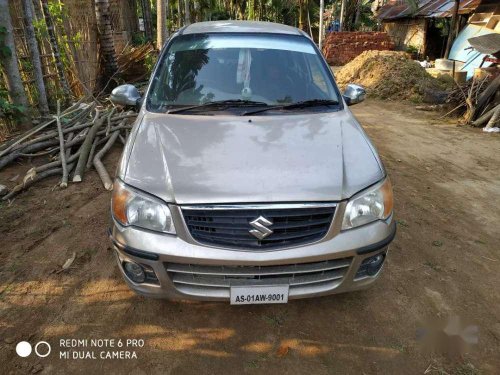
[(261, 230)]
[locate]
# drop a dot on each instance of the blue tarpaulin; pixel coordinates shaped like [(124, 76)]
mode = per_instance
[(462, 51)]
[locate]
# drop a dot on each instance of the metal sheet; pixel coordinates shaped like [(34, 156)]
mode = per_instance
[(488, 44), (395, 9), (462, 50)]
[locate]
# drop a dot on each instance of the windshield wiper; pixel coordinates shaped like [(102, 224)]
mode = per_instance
[(221, 103), (301, 104)]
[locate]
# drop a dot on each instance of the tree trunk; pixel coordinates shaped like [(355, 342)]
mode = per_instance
[(161, 23), (146, 16), (342, 15), (187, 19), (8, 60), (359, 5), (167, 15), (35, 57), (301, 15), (107, 44), (197, 10), (55, 50), (451, 34), (179, 14), (320, 33)]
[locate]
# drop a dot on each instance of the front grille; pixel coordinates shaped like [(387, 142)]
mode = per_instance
[(231, 227), (215, 281)]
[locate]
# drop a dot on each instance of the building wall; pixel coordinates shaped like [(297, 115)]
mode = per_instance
[(407, 32), (341, 47)]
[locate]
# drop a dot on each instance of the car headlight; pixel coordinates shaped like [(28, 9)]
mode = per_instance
[(132, 207), (373, 204)]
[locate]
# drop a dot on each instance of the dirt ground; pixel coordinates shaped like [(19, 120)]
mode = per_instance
[(444, 262)]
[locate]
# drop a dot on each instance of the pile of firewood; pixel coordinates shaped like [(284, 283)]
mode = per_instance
[(74, 141), (479, 101)]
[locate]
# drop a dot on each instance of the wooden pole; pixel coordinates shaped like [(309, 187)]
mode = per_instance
[(99, 166), (85, 150), (161, 23), (342, 13), (320, 34), (451, 34), (62, 151)]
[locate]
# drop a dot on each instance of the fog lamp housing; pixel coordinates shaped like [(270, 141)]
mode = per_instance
[(371, 265), (134, 272)]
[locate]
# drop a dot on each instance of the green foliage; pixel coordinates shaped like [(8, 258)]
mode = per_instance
[(220, 14), (366, 17), (4, 50), (411, 49), (138, 39), (443, 25), (57, 11), (413, 4), (8, 110), (40, 28), (150, 61)]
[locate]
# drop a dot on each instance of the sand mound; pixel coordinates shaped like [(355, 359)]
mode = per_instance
[(391, 75)]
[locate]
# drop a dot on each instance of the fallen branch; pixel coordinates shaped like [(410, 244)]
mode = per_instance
[(99, 166), (486, 117), (40, 176), (85, 150), (495, 118), (7, 159), (90, 160), (62, 151)]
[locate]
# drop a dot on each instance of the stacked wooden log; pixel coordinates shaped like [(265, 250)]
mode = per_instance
[(72, 142), (478, 100)]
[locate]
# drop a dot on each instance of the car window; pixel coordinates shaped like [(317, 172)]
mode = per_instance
[(273, 69), (318, 75)]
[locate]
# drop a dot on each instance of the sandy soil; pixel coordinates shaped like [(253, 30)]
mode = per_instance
[(444, 262)]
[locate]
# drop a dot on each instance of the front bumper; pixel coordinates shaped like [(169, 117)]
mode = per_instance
[(186, 269)]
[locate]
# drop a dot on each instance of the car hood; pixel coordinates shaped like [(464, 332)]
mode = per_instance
[(237, 159)]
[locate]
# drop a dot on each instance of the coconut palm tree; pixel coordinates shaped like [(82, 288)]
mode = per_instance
[(8, 60), (106, 41), (35, 56), (162, 9)]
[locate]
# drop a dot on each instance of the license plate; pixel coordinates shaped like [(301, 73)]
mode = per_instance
[(246, 295)]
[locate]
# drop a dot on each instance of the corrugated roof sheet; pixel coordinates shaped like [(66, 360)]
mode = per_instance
[(488, 44), (426, 8)]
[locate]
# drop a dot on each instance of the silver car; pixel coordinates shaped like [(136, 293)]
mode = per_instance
[(246, 178)]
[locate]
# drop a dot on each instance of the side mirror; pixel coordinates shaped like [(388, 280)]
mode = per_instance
[(125, 95), (354, 94)]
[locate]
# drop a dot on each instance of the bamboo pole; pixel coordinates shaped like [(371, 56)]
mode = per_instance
[(87, 145), (99, 166), (62, 151)]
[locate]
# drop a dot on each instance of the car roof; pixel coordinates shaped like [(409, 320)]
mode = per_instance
[(230, 26)]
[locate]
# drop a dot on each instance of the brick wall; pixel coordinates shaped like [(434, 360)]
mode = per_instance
[(341, 47)]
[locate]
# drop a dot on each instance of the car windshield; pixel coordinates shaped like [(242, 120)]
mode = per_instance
[(241, 70)]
